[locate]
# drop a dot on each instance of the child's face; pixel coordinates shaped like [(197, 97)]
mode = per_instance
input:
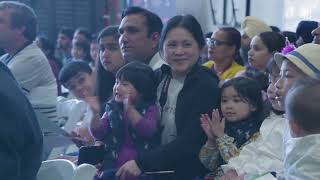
[(271, 91), (110, 54), (233, 107), (124, 89), (94, 51), (81, 85), (77, 53), (289, 73)]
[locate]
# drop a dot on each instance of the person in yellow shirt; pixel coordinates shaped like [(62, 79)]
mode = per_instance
[(223, 50)]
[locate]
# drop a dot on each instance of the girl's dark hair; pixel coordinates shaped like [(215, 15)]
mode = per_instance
[(142, 77), (272, 66), (248, 90), (273, 41), (72, 68), (234, 38), (47, 45), (261, 77), (187, 22), (109, 31)]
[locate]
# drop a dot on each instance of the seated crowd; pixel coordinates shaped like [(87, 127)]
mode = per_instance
[(159, 108)]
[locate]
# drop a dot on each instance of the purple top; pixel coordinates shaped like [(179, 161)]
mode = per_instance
[(146, 127)]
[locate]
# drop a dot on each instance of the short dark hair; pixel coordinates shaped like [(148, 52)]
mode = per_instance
[(292, 37), (187, 22), (73, 68), (304, 30), (85, 32), (248, 90), (153, 21), (22, 16), (67, 31), (302, 104), (109, 31), (273, 41), (142, 77)]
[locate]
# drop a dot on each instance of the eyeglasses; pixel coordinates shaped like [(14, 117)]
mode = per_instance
[(216, 42)]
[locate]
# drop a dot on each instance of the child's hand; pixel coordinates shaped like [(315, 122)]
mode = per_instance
[(213, 127), (217, 124), (94, 104), (128, 101), (205, 120)]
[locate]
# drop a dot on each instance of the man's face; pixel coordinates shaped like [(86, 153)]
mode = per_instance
[(63, 41), (316, 35), (134, 41), (7, 33)]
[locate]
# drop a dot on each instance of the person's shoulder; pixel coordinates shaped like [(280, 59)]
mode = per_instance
[(32, 53), (206, 74), (208, 64), (237, 66)]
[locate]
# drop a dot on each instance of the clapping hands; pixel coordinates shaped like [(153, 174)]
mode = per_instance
[(213, 127)]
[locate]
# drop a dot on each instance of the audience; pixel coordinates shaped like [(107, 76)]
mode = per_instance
[(64, 45), (302, 109), (251, 26), (140, 32), (82, 34), (303, 32), (263, 47), (223, 52), (140, 90), (24, 58), (77, 77), (94, 50), (186, 91), (300, 63), (111, 60), (241, 108), (81, 51), (130, 123)]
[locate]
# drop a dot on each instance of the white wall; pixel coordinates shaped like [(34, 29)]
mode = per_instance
[(271, 11)]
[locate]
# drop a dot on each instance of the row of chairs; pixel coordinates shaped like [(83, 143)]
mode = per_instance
[(61, 169)]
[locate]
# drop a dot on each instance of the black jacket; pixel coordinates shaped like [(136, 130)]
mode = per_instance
[(199, 95), (20, 134)]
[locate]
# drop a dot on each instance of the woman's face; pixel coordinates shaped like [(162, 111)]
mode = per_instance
[(181, 51), (259, 55), (220, 49), (289, 73)]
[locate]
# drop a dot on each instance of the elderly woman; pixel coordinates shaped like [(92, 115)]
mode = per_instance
[(223, 50)]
